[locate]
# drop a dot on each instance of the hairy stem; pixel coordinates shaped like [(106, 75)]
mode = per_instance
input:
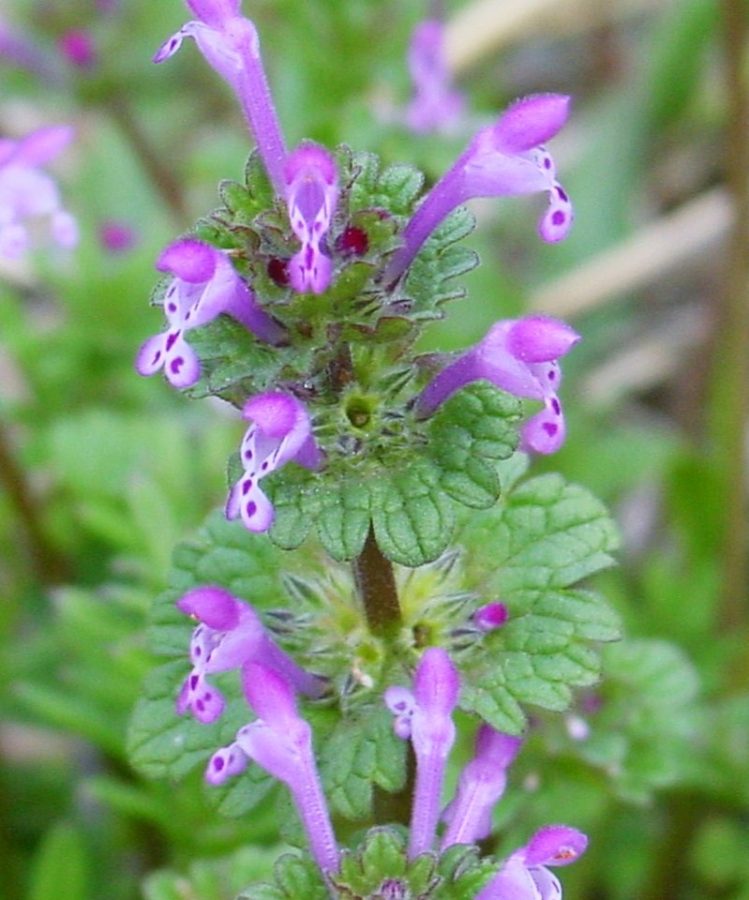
[(375, 583)]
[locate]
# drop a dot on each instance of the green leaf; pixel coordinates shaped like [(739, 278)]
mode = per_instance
[(296, 877), (648, 702), (60, 870), (382, 857), (547, 534), (361, 751), (471, 430), (343, 520), (412, 518)]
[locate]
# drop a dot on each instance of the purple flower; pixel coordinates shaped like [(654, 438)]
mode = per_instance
[(435, 105), (481, 785), (524, 875), (77, 46), (503, 160), (27, 193), (280, 432), (518, 356), (426, 717), (311, 194), (230, 634), (204, 285), (280, 741), (230, 44), (117, 237)]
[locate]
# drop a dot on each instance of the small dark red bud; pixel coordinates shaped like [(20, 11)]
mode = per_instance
[(278, 271), (353, 242)]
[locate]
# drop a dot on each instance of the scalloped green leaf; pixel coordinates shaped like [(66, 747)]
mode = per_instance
[(546, 534), (412, 518), (474, 428), (361, 751), (343, 519), (399, 185), (296, 877)]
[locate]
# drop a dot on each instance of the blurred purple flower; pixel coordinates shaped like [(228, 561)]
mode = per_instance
[(280, 741), (117, 237), (435, 105), (311, 194), (229, 634), (77, 46), (28, 194), (503, 160), (203, 286), (280, 432), (518, 356)]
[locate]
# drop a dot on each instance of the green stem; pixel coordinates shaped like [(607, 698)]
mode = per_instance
[(375, 583), (48, 566), (162, 177), (731, 365)]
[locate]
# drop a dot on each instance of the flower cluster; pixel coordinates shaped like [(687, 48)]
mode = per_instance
[(425, 716), (28, 194), (230, 636), (504, 159)]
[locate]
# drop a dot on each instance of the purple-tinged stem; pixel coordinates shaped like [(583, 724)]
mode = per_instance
[(375, 583)]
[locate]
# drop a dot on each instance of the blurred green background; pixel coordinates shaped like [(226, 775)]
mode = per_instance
[(102, 472)]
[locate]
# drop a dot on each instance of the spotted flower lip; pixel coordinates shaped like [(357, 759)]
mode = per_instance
[(204, 284), (311, 194), (425, 715), (230, 44), (503, 160), (280, 432), (519, 356), (280, 741), (525, 876), (435, 106), (28, 194), (229, 634)]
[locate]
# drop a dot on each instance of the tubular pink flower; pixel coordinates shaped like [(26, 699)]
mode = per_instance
[(435, 105), (518, 356), (311, 194), (426, 717), (230, 45), (280, 432), (524, 875), (229, 635), (203, 286), (28, 194), (280, 741), (481, 785), (506, 159)]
